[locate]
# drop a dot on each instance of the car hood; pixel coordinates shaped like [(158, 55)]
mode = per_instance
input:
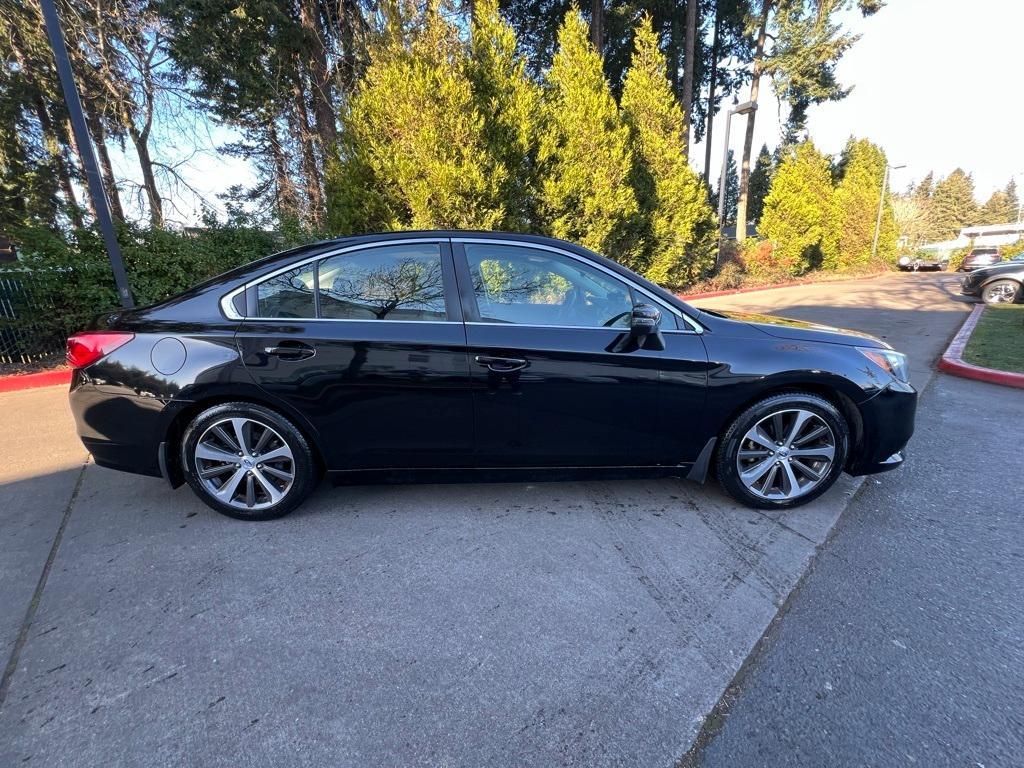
[(802, 330), (997, 269)]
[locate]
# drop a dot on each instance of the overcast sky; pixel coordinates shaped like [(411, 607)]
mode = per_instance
[(936, 83)]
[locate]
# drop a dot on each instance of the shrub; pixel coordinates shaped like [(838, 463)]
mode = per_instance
[(956, 258), (1013, 249), (797, 209), (678, 224), (764, 263), (71, 280)]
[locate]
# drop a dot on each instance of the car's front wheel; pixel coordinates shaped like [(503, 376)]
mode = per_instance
[(1001, 292), (247, 462), (783, 451)]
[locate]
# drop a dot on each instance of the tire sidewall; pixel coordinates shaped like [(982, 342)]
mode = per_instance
[(302, 457), (728, 473), (1016, 293)]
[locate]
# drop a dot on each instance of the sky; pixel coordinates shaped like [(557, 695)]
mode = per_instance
[(935, 84)]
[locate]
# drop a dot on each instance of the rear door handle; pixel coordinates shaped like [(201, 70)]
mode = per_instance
[(501, 364), (292, 351)]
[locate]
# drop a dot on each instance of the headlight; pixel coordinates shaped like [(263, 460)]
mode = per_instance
[(893, 363), (904, 260)]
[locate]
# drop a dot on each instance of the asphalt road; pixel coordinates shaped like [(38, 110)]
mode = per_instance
[(584, 623), (904, 644)]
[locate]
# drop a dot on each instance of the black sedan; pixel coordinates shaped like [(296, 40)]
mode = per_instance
[(1002, 283), (479, 355)]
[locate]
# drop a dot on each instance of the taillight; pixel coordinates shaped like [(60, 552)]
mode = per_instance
[(86, 348)]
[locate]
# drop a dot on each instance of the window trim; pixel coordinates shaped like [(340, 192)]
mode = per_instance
[(458, 287), (444, 248), (462, 271)]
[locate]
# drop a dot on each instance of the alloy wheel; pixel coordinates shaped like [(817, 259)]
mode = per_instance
[(786, 454), (244, 463), (1003, 292)]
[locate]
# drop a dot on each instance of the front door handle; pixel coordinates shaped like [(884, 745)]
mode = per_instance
[(293, 351), (501, 364)]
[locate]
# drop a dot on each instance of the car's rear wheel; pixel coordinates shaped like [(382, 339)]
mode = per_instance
[(247, 462), (783, 451), (1001, 292)]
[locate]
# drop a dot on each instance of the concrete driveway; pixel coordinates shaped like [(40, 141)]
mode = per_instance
[(583, 623)]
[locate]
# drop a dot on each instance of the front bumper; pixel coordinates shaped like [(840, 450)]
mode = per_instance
[(887, 426)]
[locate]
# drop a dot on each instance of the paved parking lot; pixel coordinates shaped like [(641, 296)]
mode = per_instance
[(583, 623)]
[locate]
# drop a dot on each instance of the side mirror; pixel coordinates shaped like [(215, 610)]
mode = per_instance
[(644, 321), (644, 330)]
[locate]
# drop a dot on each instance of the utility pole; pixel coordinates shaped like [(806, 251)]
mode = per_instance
[(881, 204), (737, 109), (87, 152)]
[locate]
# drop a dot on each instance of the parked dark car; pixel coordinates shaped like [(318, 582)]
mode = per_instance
[(982, 256), (475, 354), (1002, 283), (912, 262)]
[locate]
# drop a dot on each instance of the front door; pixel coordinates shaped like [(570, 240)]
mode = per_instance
[(549, 387), (368, 346)]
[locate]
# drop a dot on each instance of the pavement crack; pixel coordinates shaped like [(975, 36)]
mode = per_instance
[(37, 595)]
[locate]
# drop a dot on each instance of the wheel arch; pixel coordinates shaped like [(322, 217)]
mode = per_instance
[(178, 424), (824, 389)]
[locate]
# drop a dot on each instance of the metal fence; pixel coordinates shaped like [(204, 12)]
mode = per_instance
[(22, 341)]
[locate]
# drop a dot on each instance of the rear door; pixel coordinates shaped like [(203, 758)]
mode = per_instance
[(548, 386), (368, 345)]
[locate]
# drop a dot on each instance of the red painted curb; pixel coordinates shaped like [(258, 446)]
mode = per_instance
[(952, 359), (34, 380), (731, 291)]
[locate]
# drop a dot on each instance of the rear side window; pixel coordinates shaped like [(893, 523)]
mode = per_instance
[(289, 294), (393, 282)]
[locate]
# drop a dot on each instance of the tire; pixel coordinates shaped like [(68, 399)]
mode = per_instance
[(1001, 292), (276, 476), (801, 458)]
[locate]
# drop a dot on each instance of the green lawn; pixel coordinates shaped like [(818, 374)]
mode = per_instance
[(998, 339)]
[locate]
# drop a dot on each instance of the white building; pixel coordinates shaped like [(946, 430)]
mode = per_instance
[(990, 234)]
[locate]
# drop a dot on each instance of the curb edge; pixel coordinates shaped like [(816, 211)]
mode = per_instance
[(16, 382), (952, 359)]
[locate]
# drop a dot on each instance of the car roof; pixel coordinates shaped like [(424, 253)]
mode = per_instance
[(266, 265)]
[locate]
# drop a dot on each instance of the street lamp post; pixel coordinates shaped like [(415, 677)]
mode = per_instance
[(85, 149), (738, 109), (881, 204)]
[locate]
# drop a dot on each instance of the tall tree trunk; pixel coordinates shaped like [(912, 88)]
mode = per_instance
[(99, 140), (76, 158), (156, 206), (51, 138), (689, 62), (349, 24), (140, 138), (301, 130), (285, 197), (597, 24), (748, 138), (712, 89), (322, 90), (57, 157)]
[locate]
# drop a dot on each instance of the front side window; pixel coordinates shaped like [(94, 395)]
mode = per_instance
[(393, 282), (527, 286), (289, 294)]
